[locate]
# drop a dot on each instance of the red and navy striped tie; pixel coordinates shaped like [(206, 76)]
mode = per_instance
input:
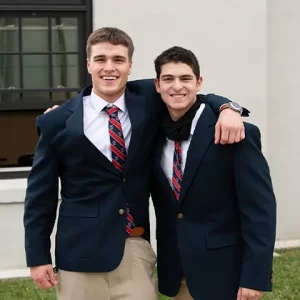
[(118, 151), (177, 171)]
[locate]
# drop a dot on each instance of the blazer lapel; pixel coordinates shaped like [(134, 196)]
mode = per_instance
[(136, 106), (74, 127), (159, 172), (202, 137)]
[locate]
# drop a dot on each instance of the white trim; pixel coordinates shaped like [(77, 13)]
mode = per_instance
[(16, 273), (287, 244), (12, 190), (15, 169)]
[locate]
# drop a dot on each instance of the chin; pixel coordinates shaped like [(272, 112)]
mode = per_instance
[(179, 106), (111, 92)]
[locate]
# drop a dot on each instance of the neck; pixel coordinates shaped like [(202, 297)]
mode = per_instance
[(109, 98), (176, 114)]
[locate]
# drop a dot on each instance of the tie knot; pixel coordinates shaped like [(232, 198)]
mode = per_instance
[(111, 111)]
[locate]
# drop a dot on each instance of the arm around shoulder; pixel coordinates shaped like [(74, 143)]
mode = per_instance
[(215, 102)]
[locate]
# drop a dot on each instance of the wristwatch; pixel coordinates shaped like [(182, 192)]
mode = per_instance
[(232, 105)]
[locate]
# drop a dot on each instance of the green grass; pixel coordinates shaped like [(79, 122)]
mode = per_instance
[(286, 282)]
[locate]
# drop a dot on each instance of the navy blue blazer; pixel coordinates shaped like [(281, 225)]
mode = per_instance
[(90, 231), (220, 235)]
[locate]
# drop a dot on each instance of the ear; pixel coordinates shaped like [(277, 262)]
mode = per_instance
[(199, 84), (88, 65), (130, 66), (156, 82)]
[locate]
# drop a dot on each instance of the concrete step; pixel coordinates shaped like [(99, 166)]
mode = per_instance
[(16, 273)]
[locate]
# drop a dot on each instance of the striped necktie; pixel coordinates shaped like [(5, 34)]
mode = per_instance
[(118, 151), (177, 171)]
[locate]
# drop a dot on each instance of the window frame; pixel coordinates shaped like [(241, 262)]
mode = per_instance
[(83, 9), (84, 15)]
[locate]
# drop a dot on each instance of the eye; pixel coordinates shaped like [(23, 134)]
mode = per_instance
[(167, 79)]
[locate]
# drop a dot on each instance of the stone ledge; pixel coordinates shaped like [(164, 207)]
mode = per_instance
[(16, 273), (287, 244)]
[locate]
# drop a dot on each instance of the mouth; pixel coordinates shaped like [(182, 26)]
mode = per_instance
[(109, 78), (178, 96)]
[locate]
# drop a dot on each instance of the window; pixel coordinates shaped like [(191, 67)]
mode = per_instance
[(42, 63), (40, 60)]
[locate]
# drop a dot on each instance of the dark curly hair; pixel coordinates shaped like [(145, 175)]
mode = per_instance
[(177, 55)]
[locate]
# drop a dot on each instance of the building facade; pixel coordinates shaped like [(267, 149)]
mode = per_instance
[(248, 51)]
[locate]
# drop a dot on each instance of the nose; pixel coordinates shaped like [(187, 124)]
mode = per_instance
[(109, 66), (177, 85)]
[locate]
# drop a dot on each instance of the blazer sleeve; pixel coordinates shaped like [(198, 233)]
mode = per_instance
[(257, 205), (40, 202), (216, 101), (146, 87)]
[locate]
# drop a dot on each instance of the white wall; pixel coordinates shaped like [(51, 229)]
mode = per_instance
[(12, 253), (228, 37), (12, 236), (284, 111)]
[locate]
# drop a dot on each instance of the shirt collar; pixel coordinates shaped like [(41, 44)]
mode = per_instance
[(196, 118), (98, 103)]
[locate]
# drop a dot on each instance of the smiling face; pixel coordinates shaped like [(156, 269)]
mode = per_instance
[(109, 66), (178, 87)]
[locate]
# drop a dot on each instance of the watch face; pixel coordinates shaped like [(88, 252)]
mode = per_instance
[(235, 106)]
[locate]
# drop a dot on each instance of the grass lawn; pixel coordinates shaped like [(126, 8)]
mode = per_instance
[(286, 282)]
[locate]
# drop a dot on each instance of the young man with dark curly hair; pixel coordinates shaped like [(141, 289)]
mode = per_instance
[(215, 206)]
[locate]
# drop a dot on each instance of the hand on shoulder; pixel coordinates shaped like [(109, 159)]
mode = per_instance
[(51, 108)]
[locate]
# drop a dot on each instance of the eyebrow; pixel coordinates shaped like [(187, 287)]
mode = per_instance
[(116, 56), (169, 75)]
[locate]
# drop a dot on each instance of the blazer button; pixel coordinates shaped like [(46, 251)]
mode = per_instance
[(180, 216), (121, 212), (124, 179)]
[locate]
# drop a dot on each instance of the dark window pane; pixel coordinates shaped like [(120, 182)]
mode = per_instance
[(65, 71), (9, 28), (63, 96), (36, 96), (36, 71), (9, 97), (64, 34), (9, 71), (19, 138), (35, 35)]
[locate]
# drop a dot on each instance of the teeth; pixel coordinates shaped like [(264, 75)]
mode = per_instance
[(178, 96), (109, 78)]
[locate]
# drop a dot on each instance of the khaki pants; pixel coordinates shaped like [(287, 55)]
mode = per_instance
[(183, 293), (132, 280)]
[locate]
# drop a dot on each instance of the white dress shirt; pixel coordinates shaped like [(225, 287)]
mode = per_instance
[(95, 122), (168, 149)]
